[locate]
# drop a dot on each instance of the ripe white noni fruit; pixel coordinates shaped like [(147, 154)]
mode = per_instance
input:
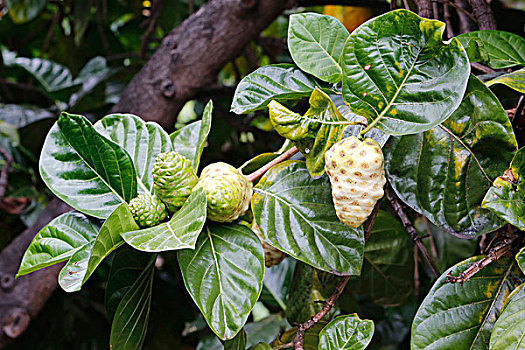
[(357, 176)]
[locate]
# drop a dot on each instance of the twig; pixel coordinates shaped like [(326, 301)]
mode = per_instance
[(260, 172), (416, 272), (494, 254), (152, 23), (5, 169), (407, 5), (49, 35), (371, 219), (433, 248), (520, 109), (482, 68), (100, 29), (424, 8), (448, 21), (458, 8), (398, 208)]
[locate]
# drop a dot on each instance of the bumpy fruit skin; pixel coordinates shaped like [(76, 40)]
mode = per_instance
[(227, 190), (357, 176), (147, 210), (173, 179), (272, 256)]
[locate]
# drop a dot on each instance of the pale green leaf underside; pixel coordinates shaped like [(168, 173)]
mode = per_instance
[(84, 262), (224, 276), (181, 232), (514, 80), (58, 241), (143, 141)]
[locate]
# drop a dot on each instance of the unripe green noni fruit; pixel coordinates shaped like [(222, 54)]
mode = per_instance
[(227, 190), (357, 176), (272, 256), (147, 210), (173, 179)]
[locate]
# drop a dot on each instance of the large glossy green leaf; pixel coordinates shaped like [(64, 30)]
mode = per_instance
[(499, 49), (445, 172), (314, 132), (130, 322), (509, 329), (126, 267), (506, 197), (143, 141), (181, 232), (22, 11), (224, 275), (277, 283), (514, 80), (520, 258), (58, 241), (84, 262), (461, 316), (388, 267), (280, 82), (296, 215), (400, 75), (190, 140), (316, 43), (84, 169), (346, 333)]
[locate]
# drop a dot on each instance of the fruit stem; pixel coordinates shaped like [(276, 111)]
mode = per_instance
[(260, 172)]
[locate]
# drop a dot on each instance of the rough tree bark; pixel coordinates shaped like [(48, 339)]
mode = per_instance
[(483, 14), (190, 57), (22, 299), (188, 60)]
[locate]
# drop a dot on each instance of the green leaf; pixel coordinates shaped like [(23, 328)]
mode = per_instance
[(509, 329), (143, 141), (85, 261), (506, 197), (84, 169), (400, 75), (311, 337), (461, 316), (296, 215), (346, 333), (388, 267), (20, 115), (58, 241), (301, 303), (130, 323), (315, 132), (502, 49), (224, 276), (277, 283), (316, 43), (237, 343), (191, 139), (180, 232), (520, 258), (280, 82), (514, 80), (445, 172), (51, 75), (22, 11), (126, 267)]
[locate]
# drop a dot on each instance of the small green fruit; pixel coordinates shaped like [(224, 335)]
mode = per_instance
[(147, 210), (357, 175), (227, 190), (173, 179)]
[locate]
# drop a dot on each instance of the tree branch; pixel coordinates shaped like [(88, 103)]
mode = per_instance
[(21, 299), (190, 57), (260, 172), (483, 14)]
